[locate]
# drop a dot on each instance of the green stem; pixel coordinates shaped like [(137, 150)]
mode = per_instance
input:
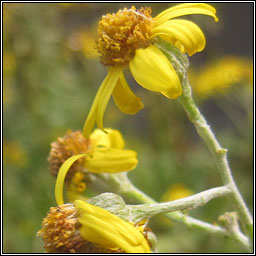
[(187, 203), (120, 184), (138, 196), (219, 154)]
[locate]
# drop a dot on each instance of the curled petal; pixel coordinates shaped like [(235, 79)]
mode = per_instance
[(111, 139), (125, 99), (153, 71), (111, 160), (182, 32), (61, 177), (100, 102), (186, 9), (109, 231)]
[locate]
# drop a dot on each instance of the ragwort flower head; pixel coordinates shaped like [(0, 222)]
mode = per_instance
[(126, 39), (80, 227), (106, 153), (100, 153)]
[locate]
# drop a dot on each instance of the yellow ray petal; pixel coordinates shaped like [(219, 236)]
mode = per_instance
[(186, 9), (100, 139), (100, 102), (110, 236), (91, 118), (61, 177), (116, 139), (104, 228), (153, 71), (110, 225), (114, 75), (187, 33), (172, 93), (186, 5), (125, 99), (113, 139), (111, 160)]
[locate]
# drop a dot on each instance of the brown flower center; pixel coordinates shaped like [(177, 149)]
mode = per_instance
[(61, 234), (120, 34), (61, 230), (72, 143)]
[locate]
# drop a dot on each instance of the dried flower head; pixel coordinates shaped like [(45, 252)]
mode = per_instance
[(71, 144), (86, 228), (107, 153), (100, 153), (60, 232)]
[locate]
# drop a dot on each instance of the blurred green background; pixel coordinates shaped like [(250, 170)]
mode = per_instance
[(51, 73)]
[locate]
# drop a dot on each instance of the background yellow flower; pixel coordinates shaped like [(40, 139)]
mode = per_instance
[(216, 77), (176, 191)]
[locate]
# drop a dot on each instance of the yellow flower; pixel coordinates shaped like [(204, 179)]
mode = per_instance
[(175, 192), (81, 227), (217, 76), (108, 153), (109, 231), (101, 153), (127, 39)]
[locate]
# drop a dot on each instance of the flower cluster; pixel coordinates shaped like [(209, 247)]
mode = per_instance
[(125, 39), (80, 227)]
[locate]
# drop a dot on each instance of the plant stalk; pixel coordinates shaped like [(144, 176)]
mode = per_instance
[(220, 156)]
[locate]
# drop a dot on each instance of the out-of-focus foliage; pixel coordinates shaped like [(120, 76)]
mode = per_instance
[(51, 73)]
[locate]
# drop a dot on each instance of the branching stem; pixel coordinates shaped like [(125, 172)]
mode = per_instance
[(220, 156), (188, 203)]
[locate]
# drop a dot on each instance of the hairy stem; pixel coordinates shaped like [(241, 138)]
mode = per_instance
[(220, 156), (186, 203)]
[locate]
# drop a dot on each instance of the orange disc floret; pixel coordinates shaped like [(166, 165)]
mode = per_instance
[(121, 33), (72, 143), (60, 230), (60, 233)]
